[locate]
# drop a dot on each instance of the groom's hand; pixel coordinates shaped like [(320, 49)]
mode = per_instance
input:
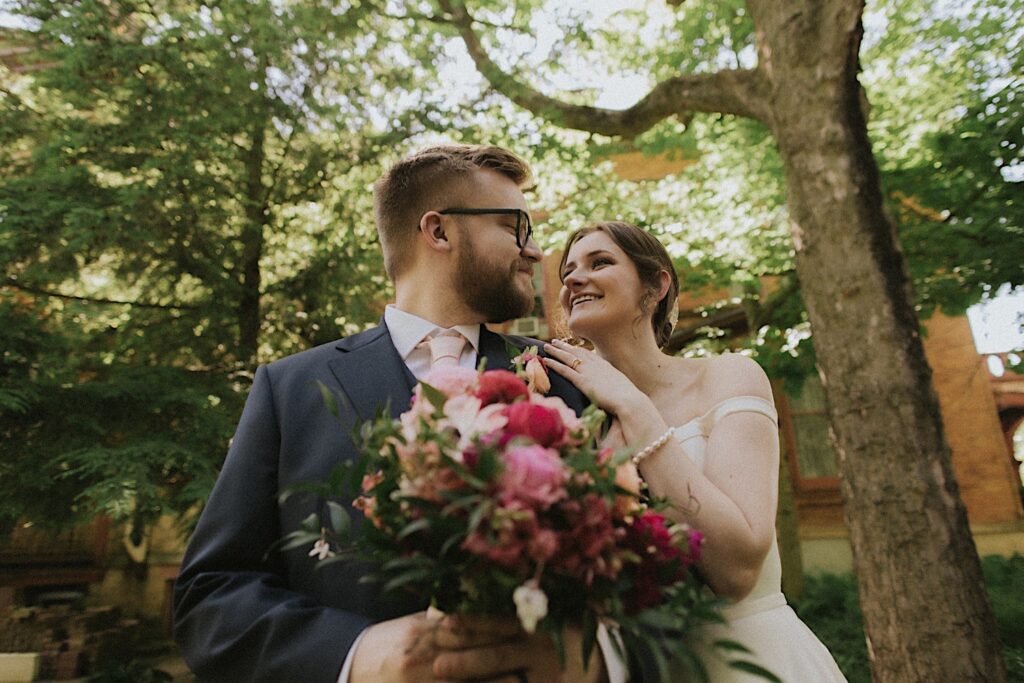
[(491, 649), (397, 651)]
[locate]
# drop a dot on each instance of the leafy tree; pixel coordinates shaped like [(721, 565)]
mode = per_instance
[(795, 69), (184, 196)]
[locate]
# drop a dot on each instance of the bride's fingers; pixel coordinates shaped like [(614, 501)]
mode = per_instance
[(559, 367), (560, 353)]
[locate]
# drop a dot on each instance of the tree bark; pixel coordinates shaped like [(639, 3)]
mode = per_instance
[(787, 531), (926, 614)]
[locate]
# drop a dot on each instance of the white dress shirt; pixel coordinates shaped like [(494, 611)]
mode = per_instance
[(408, 330)]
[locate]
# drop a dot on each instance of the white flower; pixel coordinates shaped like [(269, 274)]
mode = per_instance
[(321, 550), (465, 414), (531, 605)]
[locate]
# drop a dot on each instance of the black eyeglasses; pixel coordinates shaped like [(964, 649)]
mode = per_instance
[(524, 227)]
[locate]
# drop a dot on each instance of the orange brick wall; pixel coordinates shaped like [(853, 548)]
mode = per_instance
[(961, 380)]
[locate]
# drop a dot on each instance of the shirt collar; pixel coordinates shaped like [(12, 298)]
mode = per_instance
[(408, 330)]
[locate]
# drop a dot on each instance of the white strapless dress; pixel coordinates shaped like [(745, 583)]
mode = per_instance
[(762, 621)]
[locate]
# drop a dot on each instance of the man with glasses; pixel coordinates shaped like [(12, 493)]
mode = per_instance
[(456, 235)]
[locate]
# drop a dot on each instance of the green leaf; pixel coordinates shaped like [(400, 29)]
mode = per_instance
[(660, 619), (756, 670), (406, 578), (290, 541), (435, 396), (452, 541), (732, 646), (400, 563), (413, 527), (589, 628), (559, 640), (311, 524), (329, 400), (341, 522)]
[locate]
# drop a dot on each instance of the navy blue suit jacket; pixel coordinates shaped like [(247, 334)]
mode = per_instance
[(240, 617)]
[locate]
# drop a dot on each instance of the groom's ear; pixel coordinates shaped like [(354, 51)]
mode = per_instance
[(432, 228)]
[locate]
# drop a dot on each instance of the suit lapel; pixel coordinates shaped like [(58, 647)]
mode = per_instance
[(372, 374), (492, 347)]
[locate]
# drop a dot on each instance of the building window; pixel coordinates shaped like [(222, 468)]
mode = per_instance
[(805, 429), (536, 324)]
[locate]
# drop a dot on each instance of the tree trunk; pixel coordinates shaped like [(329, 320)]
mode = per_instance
[(787, 531), (925, 610), (926, 614)]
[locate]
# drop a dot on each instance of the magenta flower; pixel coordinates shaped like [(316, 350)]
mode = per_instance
[(533, 475)]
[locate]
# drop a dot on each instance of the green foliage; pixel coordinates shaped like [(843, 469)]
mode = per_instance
[(830, 607), (1003, 578), (944, 90), (209, 163), (952, 168)]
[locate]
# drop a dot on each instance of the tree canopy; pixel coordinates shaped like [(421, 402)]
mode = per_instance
[(185, 193)]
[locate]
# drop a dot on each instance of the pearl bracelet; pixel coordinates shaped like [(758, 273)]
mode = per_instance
[(651, 448)]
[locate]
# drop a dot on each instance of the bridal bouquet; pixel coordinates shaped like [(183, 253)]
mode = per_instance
[(492, 499)]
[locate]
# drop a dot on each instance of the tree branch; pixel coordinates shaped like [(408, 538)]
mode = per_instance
[(737, 91), (8, 282)]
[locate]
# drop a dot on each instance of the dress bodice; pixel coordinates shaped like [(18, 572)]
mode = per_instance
[(693, 437)]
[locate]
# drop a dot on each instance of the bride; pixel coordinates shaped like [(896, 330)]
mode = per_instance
[(706, 438)]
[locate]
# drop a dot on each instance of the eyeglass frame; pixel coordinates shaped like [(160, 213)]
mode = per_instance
[(518, 213)]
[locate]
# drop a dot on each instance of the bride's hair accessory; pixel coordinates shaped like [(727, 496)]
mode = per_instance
[(652, 447)]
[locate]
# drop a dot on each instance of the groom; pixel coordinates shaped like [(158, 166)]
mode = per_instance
[(456, 236)]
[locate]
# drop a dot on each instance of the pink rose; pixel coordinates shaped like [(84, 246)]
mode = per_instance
[(533, 475), (500, 386), (540, 423), (569, 418)]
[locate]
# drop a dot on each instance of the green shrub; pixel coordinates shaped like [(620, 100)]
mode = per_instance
[(830, 607)]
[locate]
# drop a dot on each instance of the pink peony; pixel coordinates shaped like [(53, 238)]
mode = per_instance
[(500, 386), (451, 380), (533, 475), (540, 423)]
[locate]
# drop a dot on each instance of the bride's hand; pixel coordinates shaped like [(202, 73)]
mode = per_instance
[(614, 438), (598, 379)]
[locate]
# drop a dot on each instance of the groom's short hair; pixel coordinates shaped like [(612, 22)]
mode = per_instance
[(429, 180)]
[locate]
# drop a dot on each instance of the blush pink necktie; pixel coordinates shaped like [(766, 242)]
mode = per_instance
[(445, 349)]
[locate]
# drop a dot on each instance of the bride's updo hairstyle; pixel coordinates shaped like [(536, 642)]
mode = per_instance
[(650, 258)]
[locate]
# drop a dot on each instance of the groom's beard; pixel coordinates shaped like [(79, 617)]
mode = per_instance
[(491, 289)]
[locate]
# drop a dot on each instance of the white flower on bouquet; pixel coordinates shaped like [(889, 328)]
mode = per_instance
[(531, 605), (321, 550)]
